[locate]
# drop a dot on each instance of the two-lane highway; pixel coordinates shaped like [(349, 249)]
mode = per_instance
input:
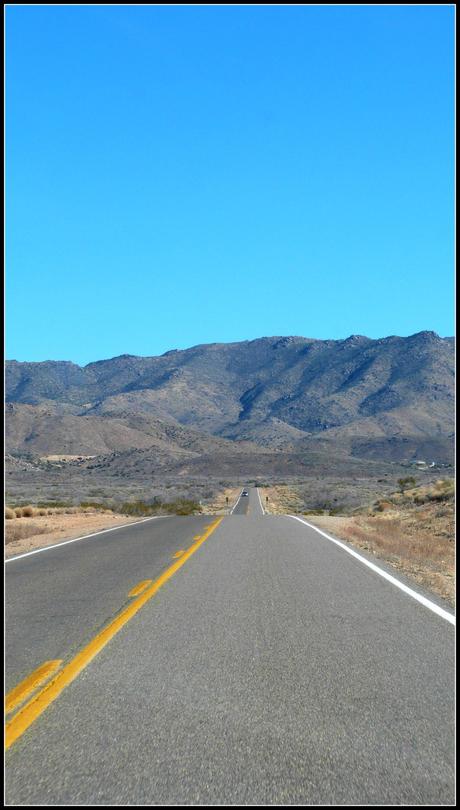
[(266, 665), (249, 504)]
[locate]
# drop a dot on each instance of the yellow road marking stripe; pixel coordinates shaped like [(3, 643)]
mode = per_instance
[(22, 691), (141, 586), (37, 705), (197, 537), (179, 553)]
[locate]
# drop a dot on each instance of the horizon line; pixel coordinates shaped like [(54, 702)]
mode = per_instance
[(232, 343)]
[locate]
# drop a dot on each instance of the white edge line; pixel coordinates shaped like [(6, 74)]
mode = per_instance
[(237, 502), (449, 617), (75, 539), (260, 501)]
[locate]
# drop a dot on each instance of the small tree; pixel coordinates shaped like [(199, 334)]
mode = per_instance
[(406, 483)]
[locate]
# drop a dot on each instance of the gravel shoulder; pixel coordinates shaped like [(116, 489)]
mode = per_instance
[(53, 529)]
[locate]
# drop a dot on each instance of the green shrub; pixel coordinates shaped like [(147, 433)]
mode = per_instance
[(54, 504), (406, 483), (181, 506), (138, 509)]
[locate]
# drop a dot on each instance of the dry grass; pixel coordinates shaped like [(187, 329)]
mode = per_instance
[(417, 540), (219, 505), (41, 511), (45, 530), (282, 500), (20, 531), (413, 531)]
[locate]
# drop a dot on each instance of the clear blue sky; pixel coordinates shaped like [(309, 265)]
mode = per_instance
[(183, 175)]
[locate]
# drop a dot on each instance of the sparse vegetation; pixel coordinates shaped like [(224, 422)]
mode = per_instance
[(54, 524), (181, 506), (406, 483), (93, 505), (410, 531), (19, 531), (221, 502), (442, 490), (24, 535), (383, 506), (413, 529), (54, 504)]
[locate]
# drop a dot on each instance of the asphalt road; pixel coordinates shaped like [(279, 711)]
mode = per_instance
[(58, 599), (271, 668), (249, 504)]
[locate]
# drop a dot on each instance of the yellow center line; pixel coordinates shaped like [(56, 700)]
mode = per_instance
[(29, 684), (141, 586), (179, 553), (37, 705), (197, 537)]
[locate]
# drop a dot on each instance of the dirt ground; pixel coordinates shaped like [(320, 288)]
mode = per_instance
[(65, 458), (51, 529), (282, 500), (220, 506), (30, 533)]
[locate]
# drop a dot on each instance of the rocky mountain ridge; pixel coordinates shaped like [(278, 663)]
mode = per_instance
[(390, 398)]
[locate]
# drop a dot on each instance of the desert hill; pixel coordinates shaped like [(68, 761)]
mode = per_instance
[(388, 399)]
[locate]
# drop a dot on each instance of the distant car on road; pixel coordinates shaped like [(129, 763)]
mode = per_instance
[(244, 493)]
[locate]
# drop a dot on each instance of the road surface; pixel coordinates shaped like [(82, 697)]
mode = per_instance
[(269, 666), (246, 504)]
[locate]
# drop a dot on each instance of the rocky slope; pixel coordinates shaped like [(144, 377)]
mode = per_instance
[(389, 399)]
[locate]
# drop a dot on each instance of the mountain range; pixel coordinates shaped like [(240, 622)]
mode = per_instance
[(390, 399)]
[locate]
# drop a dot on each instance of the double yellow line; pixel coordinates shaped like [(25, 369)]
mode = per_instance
[(42, 699)]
